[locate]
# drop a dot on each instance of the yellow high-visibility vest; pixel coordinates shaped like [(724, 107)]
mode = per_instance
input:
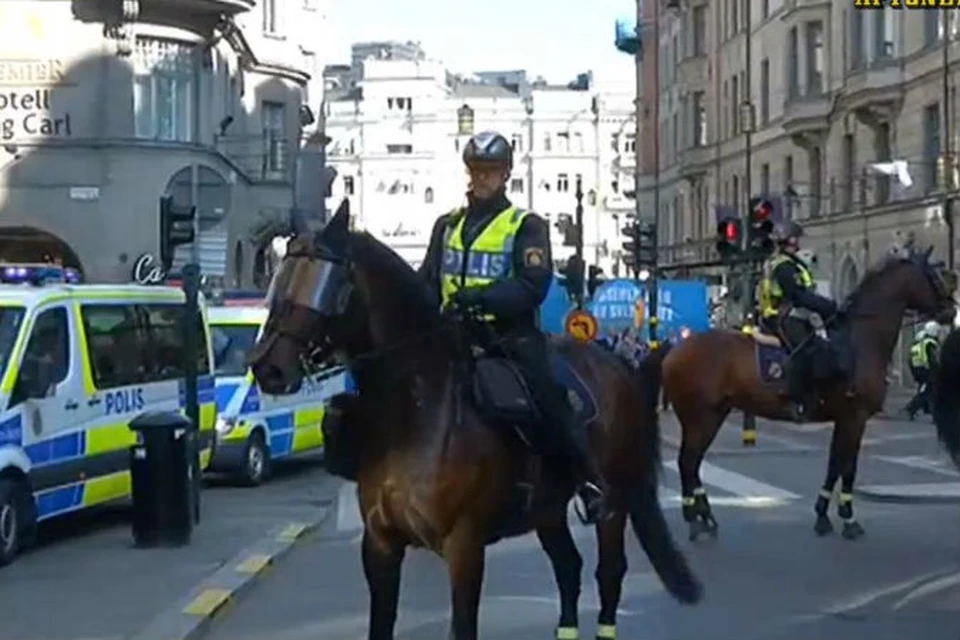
[(488, 259), (918, 353), (770, 293)]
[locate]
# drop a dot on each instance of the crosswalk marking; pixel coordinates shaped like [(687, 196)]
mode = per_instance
[(746, 492), (737, 483), (927, 463)]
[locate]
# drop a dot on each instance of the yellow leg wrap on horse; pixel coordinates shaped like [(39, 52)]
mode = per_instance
[(749, 436), (568, 633), (846, 498), (826, 494), (687, 501), (699, 491), (607, 632)]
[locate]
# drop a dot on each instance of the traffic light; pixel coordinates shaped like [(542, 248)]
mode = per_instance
[(595, 278), (574, 276), (729, 238), (763, 213), (176, 228), (640, 249)]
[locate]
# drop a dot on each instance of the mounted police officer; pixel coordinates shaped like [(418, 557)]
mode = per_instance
[(495, 258), (788, 298), (924, 363)]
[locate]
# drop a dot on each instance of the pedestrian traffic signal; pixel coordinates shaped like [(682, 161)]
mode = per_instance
[(176, 228), (595, 277), (641, 249), (763, 212), (573, 273), (729, 238)]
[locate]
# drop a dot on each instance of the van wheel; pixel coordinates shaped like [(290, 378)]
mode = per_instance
[(14, 513), (256, 461)]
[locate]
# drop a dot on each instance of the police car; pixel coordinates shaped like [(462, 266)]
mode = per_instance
[(255, 429), (77, 363)]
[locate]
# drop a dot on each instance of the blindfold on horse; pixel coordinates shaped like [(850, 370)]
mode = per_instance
[(437, 467)]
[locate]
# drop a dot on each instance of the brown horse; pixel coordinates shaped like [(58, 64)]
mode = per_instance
[(711, 373), (432, 472), (946, 396)]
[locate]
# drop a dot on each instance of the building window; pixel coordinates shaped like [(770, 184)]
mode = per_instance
[(931, 145), (857, 41), (563, 142), (766, 8), (465, 120), (516, 185), (849, 172), (734, 111), (765, 179), (271, 23), (700, 30), (577, 142), (735, 192), (274, 140), (397, 149), (546, 142), (931, 27), (765, 91), (516, 141), (815, 158), (788, 184), (882, 35), (563, 183), (726, 109), (734, 18), (674, 57), (793, 65), (699, 119), (815, 57), (349, 187), (164, 89), (630, 146), (615, 142), (428, 195)]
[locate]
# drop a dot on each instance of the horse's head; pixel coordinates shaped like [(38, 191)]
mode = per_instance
[(336, 294), (924, 286)]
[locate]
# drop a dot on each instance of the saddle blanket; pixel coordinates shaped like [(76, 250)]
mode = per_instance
[(771, 363)]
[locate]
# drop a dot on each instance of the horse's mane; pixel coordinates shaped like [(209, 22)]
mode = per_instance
[(871, 277), (409, 286)]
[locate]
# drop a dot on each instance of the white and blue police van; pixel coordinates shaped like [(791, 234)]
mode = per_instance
[(254, 429), (77, 363)]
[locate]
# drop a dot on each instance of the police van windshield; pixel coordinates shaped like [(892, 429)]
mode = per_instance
[(231, 344), (10, 319)]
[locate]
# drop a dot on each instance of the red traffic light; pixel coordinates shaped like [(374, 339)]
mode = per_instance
[(730, 232)]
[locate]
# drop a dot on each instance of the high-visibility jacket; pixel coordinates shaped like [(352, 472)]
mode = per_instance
[(918, 352), (489, 257), (770, 294)]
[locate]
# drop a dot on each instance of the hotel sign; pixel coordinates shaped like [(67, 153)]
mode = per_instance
[(29, 104)]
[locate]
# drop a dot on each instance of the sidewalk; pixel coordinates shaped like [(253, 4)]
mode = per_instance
[(87, 581)]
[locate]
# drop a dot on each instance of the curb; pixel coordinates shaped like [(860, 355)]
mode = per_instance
[(912, 493), (191, 617)]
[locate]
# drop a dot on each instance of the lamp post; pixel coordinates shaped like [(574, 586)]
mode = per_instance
[(948, 143), (528, 108)]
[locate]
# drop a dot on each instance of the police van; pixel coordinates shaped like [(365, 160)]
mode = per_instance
[(255, 429), (77, 363)]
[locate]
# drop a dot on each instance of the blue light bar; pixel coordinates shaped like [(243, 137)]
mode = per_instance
[(37, 274)]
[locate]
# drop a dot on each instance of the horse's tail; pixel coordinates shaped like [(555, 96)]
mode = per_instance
[(646, 517), (946, 400)]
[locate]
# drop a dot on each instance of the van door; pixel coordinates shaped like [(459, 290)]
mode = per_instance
[(48, 391)]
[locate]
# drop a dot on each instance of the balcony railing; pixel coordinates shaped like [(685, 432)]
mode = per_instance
[(260, 157)]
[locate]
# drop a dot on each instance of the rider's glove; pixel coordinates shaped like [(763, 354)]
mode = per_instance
[(467, 299)]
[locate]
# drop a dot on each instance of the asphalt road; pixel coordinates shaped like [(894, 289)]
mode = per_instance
[(767, 577)]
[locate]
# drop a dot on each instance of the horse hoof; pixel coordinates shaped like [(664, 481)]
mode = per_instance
[(696, 528), (823, 526), (852, 530), (711, 526)]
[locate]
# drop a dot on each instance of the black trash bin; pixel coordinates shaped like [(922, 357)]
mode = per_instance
[(163, 473)]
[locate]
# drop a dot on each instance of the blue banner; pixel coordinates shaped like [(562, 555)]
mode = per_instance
[(623, 304), (553, 311)]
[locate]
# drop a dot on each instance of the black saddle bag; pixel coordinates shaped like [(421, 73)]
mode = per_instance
[(342, 435), (502, 394)]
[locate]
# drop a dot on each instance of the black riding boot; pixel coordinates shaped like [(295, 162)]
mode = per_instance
[(588, 478), (797, 381)]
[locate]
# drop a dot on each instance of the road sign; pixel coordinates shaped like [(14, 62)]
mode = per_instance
[(582, 325)]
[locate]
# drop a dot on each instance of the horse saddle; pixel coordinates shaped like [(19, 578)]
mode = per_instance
[(503, 394)]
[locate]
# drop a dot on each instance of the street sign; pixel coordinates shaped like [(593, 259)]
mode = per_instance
[(581, 325)]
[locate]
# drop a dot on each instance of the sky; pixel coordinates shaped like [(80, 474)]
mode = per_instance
[(556, 39)]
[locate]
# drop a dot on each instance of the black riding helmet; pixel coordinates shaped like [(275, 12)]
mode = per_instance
[(488, 146)]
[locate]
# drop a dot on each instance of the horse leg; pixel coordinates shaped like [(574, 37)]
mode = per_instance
[(381, 566), (851, 452), (611, 568), (463, 550), (694, 445), (567, 564), (844, 450)]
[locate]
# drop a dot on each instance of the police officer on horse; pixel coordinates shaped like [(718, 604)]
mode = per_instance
[(791, 308), (494, 258)]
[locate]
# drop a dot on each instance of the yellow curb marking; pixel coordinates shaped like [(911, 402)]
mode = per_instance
[(253, 564), (207, 602), (291, 532)]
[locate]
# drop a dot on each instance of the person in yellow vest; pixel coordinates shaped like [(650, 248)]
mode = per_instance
[(924, 361), (788, 294), (495, 258)]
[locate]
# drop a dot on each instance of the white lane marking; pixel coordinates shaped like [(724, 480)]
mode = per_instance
[(928, 589), (926, 463), (348, 508), (866, 597), (737, 483)]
